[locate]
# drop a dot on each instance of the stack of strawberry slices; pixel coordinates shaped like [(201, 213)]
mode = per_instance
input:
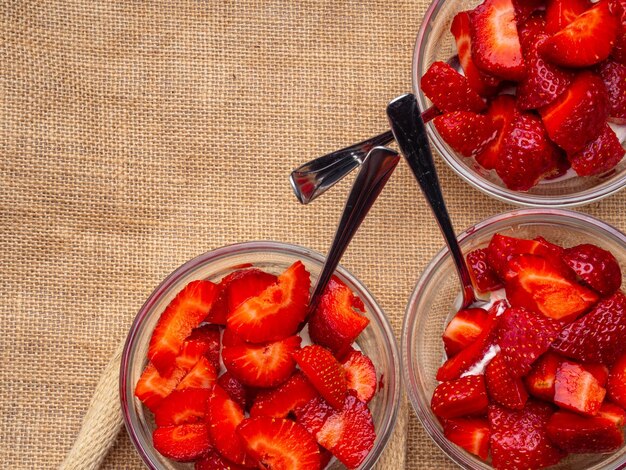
[(542, 373), (231, 385), (541, 80)]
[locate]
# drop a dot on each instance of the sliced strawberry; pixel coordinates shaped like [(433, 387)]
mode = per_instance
[(613, 413), (360, 375), (449, 90), (541, 378), (518, 438), (616, 385), (577, 389), (586, 41), (495, 43), (502, 110), (277, 311), (336, 322), (560, 13), (203, 341), (284, 399), (599, 335), (578, 115), (463, 329), (580, 435), (313, 414), (152, 388), (597, 268), (614, 76), (484, 277), (503, 387), (470, 434), (202, 375), (214, 461), (598, 156), (183, 443), (181, 316), (259, 365), (235, 389), (182, 406), (466, 396), (599, 371), (466, 132), (326, 374)]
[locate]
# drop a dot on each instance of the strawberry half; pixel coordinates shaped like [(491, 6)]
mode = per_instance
[(466, 132), (483, 275), (203, 341), (188, 309), (182, 406), (502, 386), (560, 13), (616, 385), (183, 443), (449, 90), (540, 380), (152, 388), (214, 461), (502, 111), (470, 434), (614, 76), (577, 389), (597, 268), (580, 435), (463, 329), (235, 389), (284, 399), (276, 312), (466, 396), (360, 375), (202, 375), (598, 156)]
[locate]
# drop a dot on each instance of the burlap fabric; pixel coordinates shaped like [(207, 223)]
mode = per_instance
[(136, 135)]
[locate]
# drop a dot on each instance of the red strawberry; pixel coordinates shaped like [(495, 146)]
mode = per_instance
[(560, 13), (182, 406), (599, 335), (502, 110), (183, 443), (540, 380), (313, 414), (463, 329), (503, 387), (203, 341), (336, 323), (597, 268), (616, 385), (235, 389), (614, 76), (470, 434), (483, 83), (577, 389), (599, 371), (525, 8), (182, 315), (466, 132), (484, 277), (326, 374), (580, 435), (214, 461), (202, 375), (466, 396), (599, 155), (518, 438), (360, 375), (259, 365), (578, 115), (449, 90), (152, 388), (280, 443), (495, 44), (276, 312), (613, 413), (284, 399)]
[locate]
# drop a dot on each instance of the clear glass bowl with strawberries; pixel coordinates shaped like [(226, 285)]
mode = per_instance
[(537, 377), (535, 115), (224, 367)]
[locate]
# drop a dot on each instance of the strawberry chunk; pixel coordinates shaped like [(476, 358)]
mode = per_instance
[(502, 111), (614, 76), (580, 435), (234, 388), (182, 406), (560, 13), (503, 387), (203, 341), (464, 329), (470, 434), (281, 401), (280, 443), (190, 306), (202, 375), (599, 335), (577, 389), (597, 268), (540, 380), (449, 90), (360, 375), (496, 47), (598, 156), (152, 387), (616, 385), (466, 396), (276, 312), (466, 132), (578, 115), (325, 373), (313, 414), (214, 461), (613, 413), (183, 443), (483, 275)]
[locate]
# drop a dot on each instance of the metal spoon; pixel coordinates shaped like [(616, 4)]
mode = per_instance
[(409, 131), (375, 171)]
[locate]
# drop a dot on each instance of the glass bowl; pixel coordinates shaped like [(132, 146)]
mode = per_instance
[(377, 340), (431, 307), (436, 43)]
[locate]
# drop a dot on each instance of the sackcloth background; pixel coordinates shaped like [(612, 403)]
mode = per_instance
[(136, 135)]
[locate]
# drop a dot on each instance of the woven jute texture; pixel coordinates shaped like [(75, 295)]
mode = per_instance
[(136, 135)]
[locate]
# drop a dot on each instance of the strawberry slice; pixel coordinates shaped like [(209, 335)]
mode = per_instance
[(496, 47), (614, 76), (276, 312), (599, 335), (313, 414), (281, 401), (183, 443), (598, 156), (466, 132), (466, 396), (464, 329), (577, 389), (483, 83), (326, 374), (235, 389), (203, 341), (502, 386), (214, 461), (182, 406), (202, 375), (259, 365), (560, 13), (597, 268), (360, 375), (336, 322), (578, 115), (152, 388), (449, 90), (483, 275), (616, 385), (613, 413), (470, 434), (502, 111), (280, 443), (181, 316), (519, 440), (580, 435), (541, 378), (586, 41)]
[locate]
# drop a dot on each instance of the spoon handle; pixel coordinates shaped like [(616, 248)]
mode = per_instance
[(373, 175), (410, 133)]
